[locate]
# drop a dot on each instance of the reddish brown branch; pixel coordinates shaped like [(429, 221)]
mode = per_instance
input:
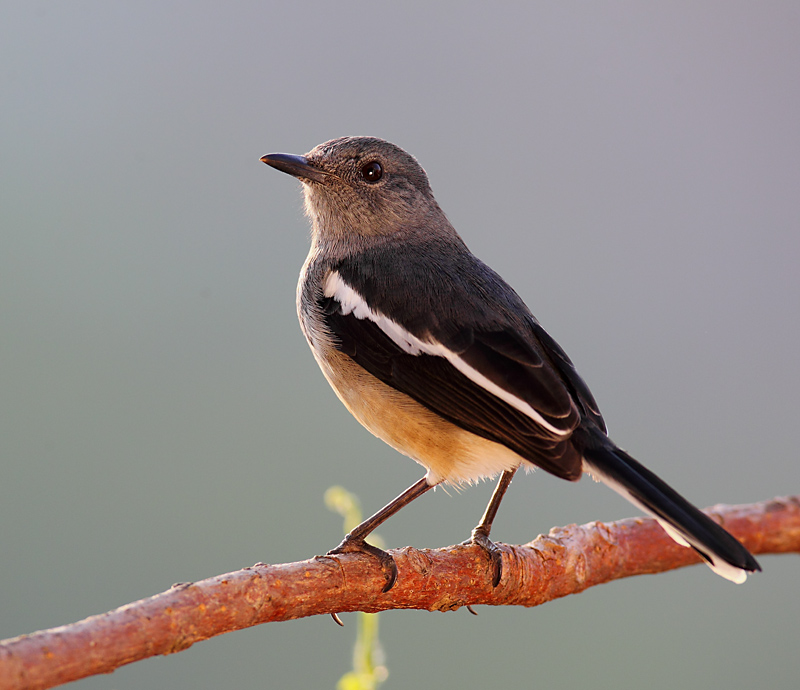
[(566, 561)]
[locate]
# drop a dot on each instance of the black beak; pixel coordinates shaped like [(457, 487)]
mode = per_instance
[(297, 166)]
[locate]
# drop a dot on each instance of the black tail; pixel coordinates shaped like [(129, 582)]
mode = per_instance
[(679, 518)]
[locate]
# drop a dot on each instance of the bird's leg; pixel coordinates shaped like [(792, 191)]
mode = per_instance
[(480, 535), (355, 540)]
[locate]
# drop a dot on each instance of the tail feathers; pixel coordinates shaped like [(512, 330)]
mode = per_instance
[(679, 518)]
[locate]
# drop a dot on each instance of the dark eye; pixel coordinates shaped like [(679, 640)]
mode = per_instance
[(372, 171)]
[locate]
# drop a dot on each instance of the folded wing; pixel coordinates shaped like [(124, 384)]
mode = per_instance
[(500, 384)]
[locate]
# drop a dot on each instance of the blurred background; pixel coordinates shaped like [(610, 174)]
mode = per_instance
[(632, 169)]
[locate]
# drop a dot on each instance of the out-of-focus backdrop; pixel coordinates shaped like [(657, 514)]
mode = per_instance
[(632, 169)]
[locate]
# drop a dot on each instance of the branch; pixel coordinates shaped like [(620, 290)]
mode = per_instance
[(566, 561)]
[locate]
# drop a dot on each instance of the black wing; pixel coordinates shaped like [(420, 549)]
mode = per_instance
[(503, 358), (580, 391)]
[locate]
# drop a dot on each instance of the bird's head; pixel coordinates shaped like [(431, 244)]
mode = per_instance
[(361, 187)]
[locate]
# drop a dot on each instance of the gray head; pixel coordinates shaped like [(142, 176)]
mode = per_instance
[(362, 187)]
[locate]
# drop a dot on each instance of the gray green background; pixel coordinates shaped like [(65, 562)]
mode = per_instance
[(633, 169)]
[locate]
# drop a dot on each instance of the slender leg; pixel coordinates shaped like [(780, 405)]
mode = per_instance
[(480, 535), (354, 542)]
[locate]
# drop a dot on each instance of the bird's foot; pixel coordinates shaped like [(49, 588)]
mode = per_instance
[(480, 537), (355, 545)]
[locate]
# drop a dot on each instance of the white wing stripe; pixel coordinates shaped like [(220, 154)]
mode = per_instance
[(351, 302)]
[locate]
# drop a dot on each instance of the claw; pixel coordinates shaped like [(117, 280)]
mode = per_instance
[(492, 550), (350, 545)]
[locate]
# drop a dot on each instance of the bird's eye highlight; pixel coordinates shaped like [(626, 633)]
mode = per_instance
[(372, 171)]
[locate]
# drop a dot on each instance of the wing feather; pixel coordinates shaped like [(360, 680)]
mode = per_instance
[(497, 386)]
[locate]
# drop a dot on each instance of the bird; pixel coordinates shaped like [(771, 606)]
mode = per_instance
[(435, 354)]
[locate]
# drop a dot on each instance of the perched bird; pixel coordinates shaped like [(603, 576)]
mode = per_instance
[(434, 353)]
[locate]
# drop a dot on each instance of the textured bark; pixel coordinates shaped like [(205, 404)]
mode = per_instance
[(566, 561)]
